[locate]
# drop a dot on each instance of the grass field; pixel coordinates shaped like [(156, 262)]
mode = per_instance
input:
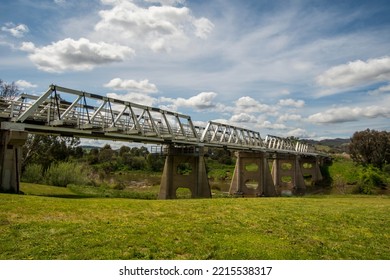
[(57, 223)]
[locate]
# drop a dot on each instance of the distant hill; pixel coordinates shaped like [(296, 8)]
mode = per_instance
[(337, 145)]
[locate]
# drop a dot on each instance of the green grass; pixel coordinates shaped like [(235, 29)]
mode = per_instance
[(57, 223)]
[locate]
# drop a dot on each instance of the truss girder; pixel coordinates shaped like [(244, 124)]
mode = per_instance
[(228, 135), (67, 111)]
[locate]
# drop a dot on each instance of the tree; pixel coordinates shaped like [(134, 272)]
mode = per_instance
[(45, 149), (106, 154), (370, 147), (8, 91)]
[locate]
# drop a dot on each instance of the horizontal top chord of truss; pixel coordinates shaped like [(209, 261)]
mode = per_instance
[(83, 114)]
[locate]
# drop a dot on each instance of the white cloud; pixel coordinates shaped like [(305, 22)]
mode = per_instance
[(273, 126), (248, 104), (289, 117), (381, 90), (348, 114), (17, 31), (291, 103), (356, 73), (135, 97), (300, 133), (201, 101), (166, 2), (69, 54), (159, 28), (22, 84), (243, 118), (203, 27), (131, 85)]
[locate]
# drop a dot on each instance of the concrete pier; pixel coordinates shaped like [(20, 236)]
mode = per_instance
[(287, 175), (11, 143), (193, 178), (252, 176)]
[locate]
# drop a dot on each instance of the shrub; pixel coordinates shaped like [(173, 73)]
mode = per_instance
[(33, 174), (65, 173), (339, 183), (369, 179)]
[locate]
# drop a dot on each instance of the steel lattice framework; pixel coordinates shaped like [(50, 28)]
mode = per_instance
[(69, 112)]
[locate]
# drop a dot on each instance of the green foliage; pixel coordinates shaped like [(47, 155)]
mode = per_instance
[(155, 162), (221, 155), (370, 147), (45, 149), (345, 169), (371, 178), (64, 173), (33, 173)]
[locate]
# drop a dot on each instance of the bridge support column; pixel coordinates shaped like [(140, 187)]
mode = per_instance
[(11, 143), (252, 176), (287, 175), (310, 166), (184, 168)]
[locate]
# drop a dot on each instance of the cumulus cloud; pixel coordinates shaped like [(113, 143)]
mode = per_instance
[(289, 117), (22, 84), (131, 85), (348, 114), (135, 97), (273, 126), (201, 101), (243, 118), (249, 104), (78, 55), (17, 31), (160, 28), (291, 103), (356, 73), (300, 133)]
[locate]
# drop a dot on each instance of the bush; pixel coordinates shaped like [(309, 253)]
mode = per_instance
[(65, 173), (339, 183), (33, 174), (369, 179)]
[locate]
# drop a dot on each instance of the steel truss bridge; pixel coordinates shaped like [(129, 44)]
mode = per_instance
[(68, 112), (94, 116)]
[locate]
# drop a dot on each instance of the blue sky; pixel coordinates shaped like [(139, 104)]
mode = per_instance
[(310, 69)]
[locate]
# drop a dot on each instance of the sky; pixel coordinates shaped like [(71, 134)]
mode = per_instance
[(306, 68)]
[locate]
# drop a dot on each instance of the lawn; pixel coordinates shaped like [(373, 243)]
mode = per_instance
[(60, 224)]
